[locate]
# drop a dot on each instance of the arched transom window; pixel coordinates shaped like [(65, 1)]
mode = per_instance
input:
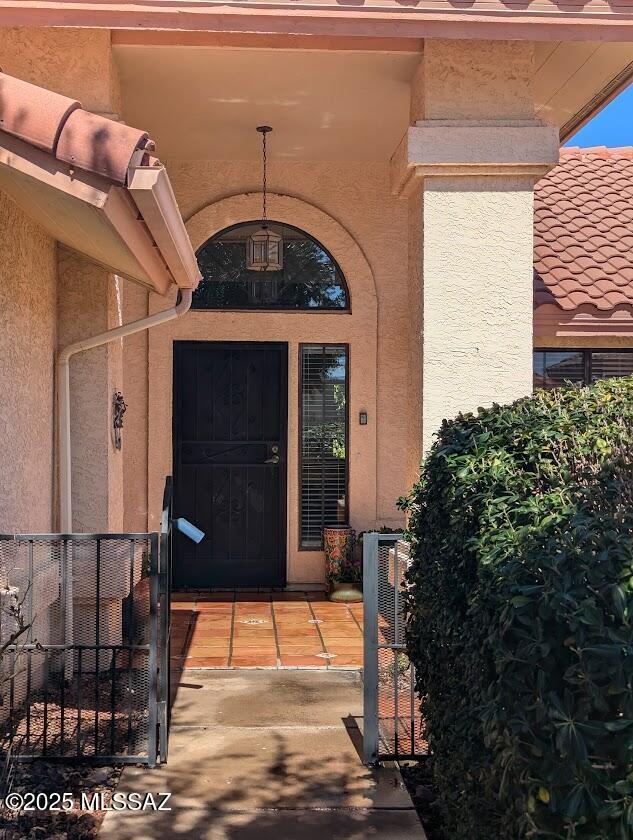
[(309, 279)]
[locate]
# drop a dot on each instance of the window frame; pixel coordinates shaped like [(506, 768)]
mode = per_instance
[(346, 347), (586, 353), (314, 310)]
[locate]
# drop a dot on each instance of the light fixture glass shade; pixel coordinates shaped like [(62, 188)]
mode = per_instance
[(264, 251)]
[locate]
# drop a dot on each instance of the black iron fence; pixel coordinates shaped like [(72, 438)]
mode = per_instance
[(84, 638)]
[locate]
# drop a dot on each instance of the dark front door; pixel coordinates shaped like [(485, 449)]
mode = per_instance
[(230, 421)]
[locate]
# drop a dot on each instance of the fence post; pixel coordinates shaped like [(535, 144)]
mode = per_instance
[(164, 600), (152, 749), (370, 663)]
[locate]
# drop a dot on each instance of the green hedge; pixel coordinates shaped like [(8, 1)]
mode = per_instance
[(520, 616)]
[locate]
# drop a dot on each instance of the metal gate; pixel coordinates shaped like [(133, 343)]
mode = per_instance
[(391, 717), (81, 676)]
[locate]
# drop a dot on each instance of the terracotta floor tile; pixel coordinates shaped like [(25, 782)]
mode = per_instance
[(344, 650), (294, 624), (295, 604), (216, 622), (330, 610), (204, 638), (283, 641), (255, 650), (348, 625), (285, 612), (300, 649), (254, 641), (212, 626), (214, 615), (255, 606), (293, 621), (209, 640), (253, 625), (297, 630), (303, 661), (215, 609), (218, 644), (255, 661), (253, 622), (346, 661), (206, 626), (206, 661)]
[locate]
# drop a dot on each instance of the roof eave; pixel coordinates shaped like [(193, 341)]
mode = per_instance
[(99, 219), (151, 191)]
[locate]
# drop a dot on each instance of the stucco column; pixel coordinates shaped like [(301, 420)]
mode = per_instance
[(468, 165)]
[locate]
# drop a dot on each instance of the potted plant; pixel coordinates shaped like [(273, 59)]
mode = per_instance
[(342, 569)]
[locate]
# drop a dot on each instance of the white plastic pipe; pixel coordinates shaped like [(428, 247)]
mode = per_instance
[(63, 380)]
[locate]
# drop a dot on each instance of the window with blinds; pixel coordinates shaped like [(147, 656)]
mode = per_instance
[(615, 363), (557, 368), (323, 440)]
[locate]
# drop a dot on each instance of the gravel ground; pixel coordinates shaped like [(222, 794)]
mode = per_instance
[(47, 778)]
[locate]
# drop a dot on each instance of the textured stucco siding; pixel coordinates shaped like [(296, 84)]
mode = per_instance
[(135, 386), (74, 62), (28, 270), (477, 295), (87, 305), (477, 80)]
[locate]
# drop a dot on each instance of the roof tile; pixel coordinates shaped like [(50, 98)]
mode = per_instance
[(583, 242)]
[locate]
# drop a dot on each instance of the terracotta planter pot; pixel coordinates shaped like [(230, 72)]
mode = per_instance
[(347, 593), (340, 565)]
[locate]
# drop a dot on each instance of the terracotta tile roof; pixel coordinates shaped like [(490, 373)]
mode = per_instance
[(583, 230), (92, 184), (60, 126)]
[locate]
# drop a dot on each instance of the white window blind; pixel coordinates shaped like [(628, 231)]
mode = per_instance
[(323, 442)]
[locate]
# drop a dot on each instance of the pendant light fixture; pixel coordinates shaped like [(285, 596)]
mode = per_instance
[(264, 248)]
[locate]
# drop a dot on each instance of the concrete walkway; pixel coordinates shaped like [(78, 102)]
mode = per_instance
[(267, 755)]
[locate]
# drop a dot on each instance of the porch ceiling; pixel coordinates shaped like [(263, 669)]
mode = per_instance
[(204, 103)]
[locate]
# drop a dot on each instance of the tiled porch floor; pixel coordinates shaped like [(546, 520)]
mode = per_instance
[(264, 630)]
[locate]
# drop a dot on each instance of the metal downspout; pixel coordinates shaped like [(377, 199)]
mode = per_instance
[(63, 379)]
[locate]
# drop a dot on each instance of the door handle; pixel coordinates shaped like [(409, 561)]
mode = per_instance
[(274, 459)]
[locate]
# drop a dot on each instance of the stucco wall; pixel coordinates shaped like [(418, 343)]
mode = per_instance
[(348, 208), (476, 80), (87, 305), (27, 346), (74, 62), (135, 384)]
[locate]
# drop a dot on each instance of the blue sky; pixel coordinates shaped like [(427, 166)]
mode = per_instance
[(613, 126)]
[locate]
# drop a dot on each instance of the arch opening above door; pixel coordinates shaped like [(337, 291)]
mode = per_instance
[(310, 278)]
